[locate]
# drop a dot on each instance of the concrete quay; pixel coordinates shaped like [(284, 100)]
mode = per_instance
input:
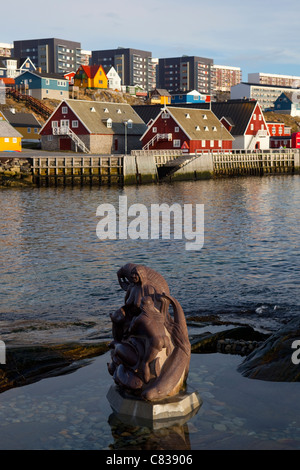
[(141, 167)]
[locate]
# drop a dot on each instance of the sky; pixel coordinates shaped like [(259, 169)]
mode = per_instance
[(255, 35)]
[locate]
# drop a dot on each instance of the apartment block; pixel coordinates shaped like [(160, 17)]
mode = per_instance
[(51, 55), (265, 94), (186, 73), (226, 77), (6, 49), (274, 79), (134, 66)]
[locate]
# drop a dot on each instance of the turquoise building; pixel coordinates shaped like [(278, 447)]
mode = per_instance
[(43, 85)]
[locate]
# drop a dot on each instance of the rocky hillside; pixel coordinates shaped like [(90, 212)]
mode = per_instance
[(119, 97), (90, 95), (292, 122)]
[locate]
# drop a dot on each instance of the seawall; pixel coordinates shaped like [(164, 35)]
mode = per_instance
[(141, 167)]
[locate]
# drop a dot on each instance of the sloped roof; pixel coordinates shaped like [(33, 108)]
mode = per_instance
[(238, 112), (91, 70), (20, 119), (199, 124), (94, 115), (160, 92), (147, 111), (6, 130)]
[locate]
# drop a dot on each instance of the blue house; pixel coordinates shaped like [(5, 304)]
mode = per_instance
[(288, 103), (190, 97), (43, 85)]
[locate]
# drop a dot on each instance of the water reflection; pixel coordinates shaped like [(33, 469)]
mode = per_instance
[(137, 437)]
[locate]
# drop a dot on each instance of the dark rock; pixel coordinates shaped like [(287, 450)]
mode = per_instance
[(210, 342), (272, 361), (25, 365)]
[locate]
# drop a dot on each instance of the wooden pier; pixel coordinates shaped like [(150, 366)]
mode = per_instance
[(83, 170), (254, 162), (149, 167)]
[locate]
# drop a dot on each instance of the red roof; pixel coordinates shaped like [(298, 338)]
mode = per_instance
[(91, 70), (8, 81)]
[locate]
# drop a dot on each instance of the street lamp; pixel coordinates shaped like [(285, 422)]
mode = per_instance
[(125, 124)]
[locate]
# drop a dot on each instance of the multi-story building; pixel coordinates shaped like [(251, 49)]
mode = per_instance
[(86, 57), (265, 94), (274, 79), (226, 77), (187, 73), (135, 67), (6, 49), (50, 55)]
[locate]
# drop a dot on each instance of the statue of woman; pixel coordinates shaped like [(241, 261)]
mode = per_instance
[(146, 337)]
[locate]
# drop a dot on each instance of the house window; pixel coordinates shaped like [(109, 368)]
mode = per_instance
[(28, 130), (47, 81), (109, 123), (129, 124), (252, 127), (15, 140), (212, 143), (64, 123), (176, 129), (36, 131), (176, 143), (54, 123), (75, 123), (154, 129), (64, 110), (220, 143), (49, 137), (6, 139), (254, 117), (203, 143)]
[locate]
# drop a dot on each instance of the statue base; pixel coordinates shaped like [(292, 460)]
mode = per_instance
[(134, 410)]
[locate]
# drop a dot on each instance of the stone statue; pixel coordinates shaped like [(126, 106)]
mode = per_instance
[(150, 351)]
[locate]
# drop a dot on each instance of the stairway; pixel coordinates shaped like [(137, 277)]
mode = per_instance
[(32, 103), (67, 131), (169, 168)]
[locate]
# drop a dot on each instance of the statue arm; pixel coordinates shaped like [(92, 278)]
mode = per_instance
[(122, 278)]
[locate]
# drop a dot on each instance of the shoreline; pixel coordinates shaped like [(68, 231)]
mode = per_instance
[(71, 412)]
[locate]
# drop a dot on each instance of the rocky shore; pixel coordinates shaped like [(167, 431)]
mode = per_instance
[(15, 172), (265, 357)]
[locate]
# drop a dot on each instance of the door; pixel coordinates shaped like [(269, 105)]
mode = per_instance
[(65, 143)]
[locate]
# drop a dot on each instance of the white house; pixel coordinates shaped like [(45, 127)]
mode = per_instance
[(114, 80)]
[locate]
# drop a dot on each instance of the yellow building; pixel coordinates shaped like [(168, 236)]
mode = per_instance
[(10, 139), (91, 76), (25, 123), (160, 96)]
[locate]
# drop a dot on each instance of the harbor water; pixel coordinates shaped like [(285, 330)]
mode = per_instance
[(58, 279), (59, 284)]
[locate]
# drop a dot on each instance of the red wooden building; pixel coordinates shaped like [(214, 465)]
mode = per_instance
[(280, 135), (189, 129)]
